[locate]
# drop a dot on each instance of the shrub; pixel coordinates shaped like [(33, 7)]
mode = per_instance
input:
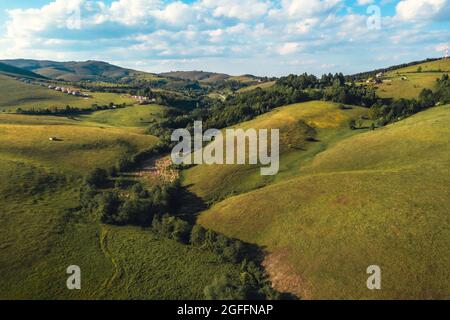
[(107, 206), (125, 164), (181, 231), (97, 178), (137, 212), (172, 228), (223, 288), (198, 235)]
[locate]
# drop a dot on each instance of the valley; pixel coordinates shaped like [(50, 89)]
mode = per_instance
[(363, 180)]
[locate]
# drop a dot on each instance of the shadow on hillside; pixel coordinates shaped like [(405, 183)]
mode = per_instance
[(189, 205)]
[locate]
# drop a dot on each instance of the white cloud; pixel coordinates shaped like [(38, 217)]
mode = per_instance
[(236, 32), (310, 8), (238, 9), (128, 12), (59, 13), (176, 13), (416, 10), (288, 48), (441, 47), (365, 2)]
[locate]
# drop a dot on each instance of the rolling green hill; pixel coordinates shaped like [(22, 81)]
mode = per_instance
[(42, 231), (16, 94), (305, 129), (10, 70), (380, 197), (408, 82), (76, 71), (196, 76), (136, 116)]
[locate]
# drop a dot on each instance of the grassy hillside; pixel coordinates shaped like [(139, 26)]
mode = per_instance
[(10, 70), (41, 237), (42, 233), (442, 65), (76, 71), (79, 148), (196, 76), (305, 130), (380, 197), (263, 85), (16, 94), (408, 82), (136, 116)]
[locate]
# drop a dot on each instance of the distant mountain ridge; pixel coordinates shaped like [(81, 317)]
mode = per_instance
[(201, 76), (75, 71), (18, 72)]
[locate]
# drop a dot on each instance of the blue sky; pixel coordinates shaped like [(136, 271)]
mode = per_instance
[(260, 37)]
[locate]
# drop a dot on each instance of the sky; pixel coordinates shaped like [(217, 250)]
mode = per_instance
[(260, 37)]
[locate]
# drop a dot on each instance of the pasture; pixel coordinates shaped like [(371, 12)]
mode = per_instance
[(136, 116), (380, 197), (409, 82), (15, 94), (305, 129), (43, 232)]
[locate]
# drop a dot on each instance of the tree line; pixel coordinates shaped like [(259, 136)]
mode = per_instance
[(118, 202), (68, 110), (385, 113)]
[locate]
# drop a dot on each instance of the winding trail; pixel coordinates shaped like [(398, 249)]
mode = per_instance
[(119, 271)]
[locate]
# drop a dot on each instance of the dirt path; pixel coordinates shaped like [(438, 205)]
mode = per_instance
[(118, 271), (284, 278), (157, 170)]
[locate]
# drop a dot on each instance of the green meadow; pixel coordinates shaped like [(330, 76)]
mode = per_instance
[(43, 233), (409, 82), (136, 116), (305, 130), (377, 198), (15, 94), (343, 199)]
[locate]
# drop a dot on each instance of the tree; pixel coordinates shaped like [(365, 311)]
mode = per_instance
[(97, 178), (223, 288), (198, 235), (352, 124), (108, 204), (181, 231)]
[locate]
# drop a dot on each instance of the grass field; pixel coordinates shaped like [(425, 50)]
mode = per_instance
[(136, 116), (15, 94), (80, 148), (408, 82), (324, 122), (263, 85), (442, 65), (42, 233), (379, 197), (40, 238)]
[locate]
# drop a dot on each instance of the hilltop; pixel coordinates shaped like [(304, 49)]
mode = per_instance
[(408, 81), (76, 71), (18, 72), (360, 183), (201, 76), (379, 197)]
